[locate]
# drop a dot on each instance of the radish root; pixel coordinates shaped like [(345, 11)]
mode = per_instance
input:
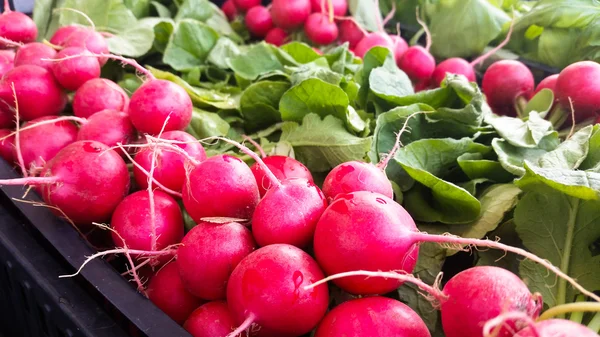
[(493, 326), (385, 161), (123, 60), (247, 324)]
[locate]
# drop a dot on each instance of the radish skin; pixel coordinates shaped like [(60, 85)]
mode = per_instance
[(212, 319), (282, 167), (557, 328), (99, 94), (33, 53)]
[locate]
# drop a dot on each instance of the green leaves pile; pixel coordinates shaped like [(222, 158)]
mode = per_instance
[(461, 169)]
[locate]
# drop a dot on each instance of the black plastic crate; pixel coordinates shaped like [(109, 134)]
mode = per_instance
[(35, 302)]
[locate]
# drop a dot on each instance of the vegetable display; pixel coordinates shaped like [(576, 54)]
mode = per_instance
[(300, 169)]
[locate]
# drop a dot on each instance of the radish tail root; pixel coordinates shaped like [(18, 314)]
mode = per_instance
[(385, 161), (254, 143), (46, 122), (20, 160), (123, 60), (10, 43), (244, 326)]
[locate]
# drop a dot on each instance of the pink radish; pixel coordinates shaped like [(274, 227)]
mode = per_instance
[(504, 82), (290, 14), (89, 39), (99, 94), (459, 66), (400, 47), (267, 289), (374, 317), (220, 186), (59, 38), (579, 82), (73, 73), (37, 91), (321, 29), (259, 21), (547, 83), (212, 319), (42, 142), (17, 26), (556, 328), (166, 291), (137, 229), (229, 10), (170, 167), (7, 114), (245, 5), (84, 182), (417, 62), (356, 176), (276, 37), (350, 31), (282, 167), (339, 7), (33, 53), (6, 61), (210, 252), (6, 145), (109, 127), (377, 39)]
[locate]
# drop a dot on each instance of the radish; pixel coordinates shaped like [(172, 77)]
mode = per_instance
[(245, 5), (321, 29), (282, 167), (74, 72), (220, 186), (547, 83), (423, 85), (290, 14), (109, 127), (373, 317), (339, 7), (400, 47), (7, 58), (7, 143), (59, 38), (166, 291), (459, 66), (212, 319), (417, 62), (210, 252), (17, 26), (276, 37), (135, 227), (229, 10), (84, 182), (357, 220), (41, 143), (356, 176), (37, 91), (556, 328), (504, 82), (170, 167), (89, 39), (267, 289), (350, 31), (33, 53), (7, 115), (377, 39), (99, 94), (579, 82), (259, 21)]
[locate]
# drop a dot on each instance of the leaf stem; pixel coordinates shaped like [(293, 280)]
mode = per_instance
[(577, 316), (566, 256), (560, 310), (594, 324)]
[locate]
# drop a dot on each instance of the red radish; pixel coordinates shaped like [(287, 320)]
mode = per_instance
[(59, 38), (340, 7), (210, 252), (74, 72), (547, 83), (245, 5), (259, 21), (133, 222), (7, 114), (108, 127), (220, 186), (33, 53), (579, 82), (282, 167), (556, 328), (351, 32), (17, 26), (374, 317), (41, 143), (356, 176), (290, 14), (321, 29), (99, 94), (229, 10), (504, 82), (479, 294), (423, 85), (417, 62), (212, 319), (377, 39), (89, 39), (6, 145), (37, 91), (276, 37), (170, 167), (6, 61), (267, 289), (400, 47), (166, 291), (85, 181)]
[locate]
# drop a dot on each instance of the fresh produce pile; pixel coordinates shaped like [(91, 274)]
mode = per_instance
[(237, 177)]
